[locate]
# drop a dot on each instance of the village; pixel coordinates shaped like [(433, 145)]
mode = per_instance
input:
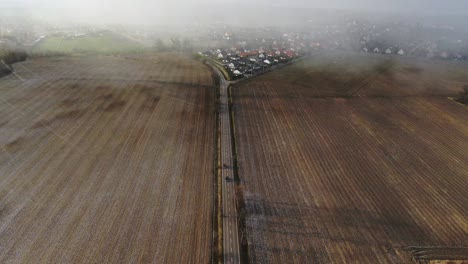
[(246, 50), (243, 63), (256, 47)]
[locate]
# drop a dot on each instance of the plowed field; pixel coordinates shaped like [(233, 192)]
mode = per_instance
[(349, 180), (107, 160)]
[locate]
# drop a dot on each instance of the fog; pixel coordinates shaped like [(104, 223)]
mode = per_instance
[(427, 28), (240, 11)]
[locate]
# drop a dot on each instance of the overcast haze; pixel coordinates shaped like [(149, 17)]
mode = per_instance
[(446, 6), (157, 11)]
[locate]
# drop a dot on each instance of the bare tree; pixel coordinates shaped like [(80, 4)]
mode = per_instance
[(176, 44), (187, 45), (463, 96), (160, 46)]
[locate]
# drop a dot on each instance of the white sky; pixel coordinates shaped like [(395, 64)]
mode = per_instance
[(416, 5), (148, 10), (421, 5)]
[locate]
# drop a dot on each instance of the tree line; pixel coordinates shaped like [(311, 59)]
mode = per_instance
[(7, 58), (10, 57)]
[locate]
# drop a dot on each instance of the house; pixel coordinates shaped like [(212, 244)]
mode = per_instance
[(231, 65), (290, 53), (401, 52), (237, 73), (388, 51), (267, 62), (248, 53), (430, 54), (376, 50), (365, 49), (444, 55), (220, 56)]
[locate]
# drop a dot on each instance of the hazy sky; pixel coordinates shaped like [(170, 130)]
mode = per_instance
[(395, 5), (145, 10)]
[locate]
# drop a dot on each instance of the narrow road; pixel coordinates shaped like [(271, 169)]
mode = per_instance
[(231, 247), (231, 251)]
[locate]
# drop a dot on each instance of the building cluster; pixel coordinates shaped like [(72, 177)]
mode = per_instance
[(241, 62), (387, 38), (412, 40), (16, 33), (393, 39), (18, 37)]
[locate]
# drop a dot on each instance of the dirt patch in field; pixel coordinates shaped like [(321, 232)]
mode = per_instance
[(413, 69), (150, 103), (113, 106), (70, 114), (140, 86), (14, 144), (106, 97), (69, 102), (41, 124), (3, 124), (75, 86), (149, 90)]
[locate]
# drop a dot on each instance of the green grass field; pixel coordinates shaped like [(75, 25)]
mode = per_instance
[(106, 42)]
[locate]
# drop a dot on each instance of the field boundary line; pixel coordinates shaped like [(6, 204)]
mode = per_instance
[(243, 247), (217, 216), (452, 99)]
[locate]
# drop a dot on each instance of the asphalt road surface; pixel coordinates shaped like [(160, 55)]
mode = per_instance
[(230, 222)]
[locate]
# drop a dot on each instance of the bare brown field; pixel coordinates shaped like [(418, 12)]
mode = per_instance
[(163, 67), (350, 180), (106, 160), (344, 74)]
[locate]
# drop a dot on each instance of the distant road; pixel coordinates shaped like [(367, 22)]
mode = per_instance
[(231, 251)]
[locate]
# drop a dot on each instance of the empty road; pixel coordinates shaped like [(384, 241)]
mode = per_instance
[(231, 252)]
